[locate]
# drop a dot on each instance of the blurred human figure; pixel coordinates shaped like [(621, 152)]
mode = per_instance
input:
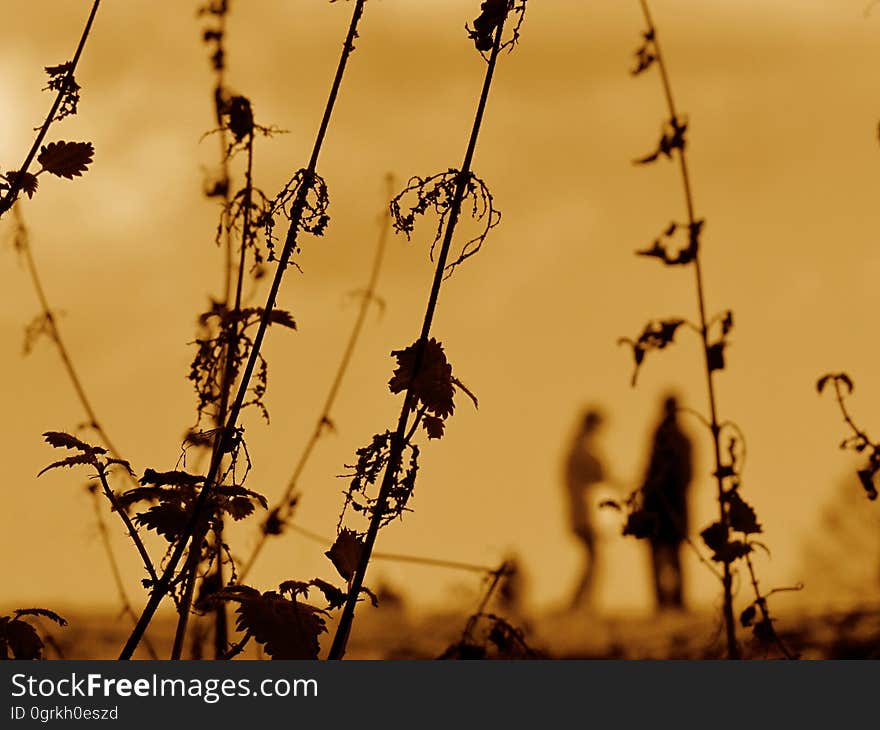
[(665, 497), (583, 470)]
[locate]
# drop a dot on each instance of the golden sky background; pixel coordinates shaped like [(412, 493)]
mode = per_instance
[(783, 109)]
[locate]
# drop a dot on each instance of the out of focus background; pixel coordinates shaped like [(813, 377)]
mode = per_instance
[(783, 109)]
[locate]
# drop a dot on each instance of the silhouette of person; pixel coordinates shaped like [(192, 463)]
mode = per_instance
[(665, 492), (583, 470)]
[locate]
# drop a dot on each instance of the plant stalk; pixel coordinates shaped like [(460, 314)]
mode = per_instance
[(398, 440), (726, 578), (324, 417), (226, 437)]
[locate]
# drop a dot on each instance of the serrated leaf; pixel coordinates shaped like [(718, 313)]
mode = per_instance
[(66, 159), (121, 462), (866, 477), (282, 318), (434, 426), (69, 461), (294, 588), (433, 384), (167, 519), (44, 612), (63, 440), (287, 629), (26, 182)]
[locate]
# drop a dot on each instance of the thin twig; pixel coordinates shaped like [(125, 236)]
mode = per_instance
[(761, 602), (23, 244), (400, 557), (238, 648), (114, 567), (132, 530), (729, 622), (340, 639), (324, 420)]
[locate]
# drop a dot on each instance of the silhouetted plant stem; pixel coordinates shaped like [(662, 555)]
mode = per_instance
[(281, 508), (232, 323), (132, 530), (23, 244), (398, 440), (191, 573), (15, 183), (726, 578), (495, 579), (225, 439), (114, 567), (766, 620)]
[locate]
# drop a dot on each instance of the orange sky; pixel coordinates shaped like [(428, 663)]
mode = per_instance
[(783, 107)]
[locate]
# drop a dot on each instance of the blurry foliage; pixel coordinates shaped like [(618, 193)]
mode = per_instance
[(859, 442)]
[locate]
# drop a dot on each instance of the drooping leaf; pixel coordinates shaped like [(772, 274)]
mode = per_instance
[(66, 159), (294, 588), (747, 617), (239, 507), (434, 426), (287, 629), (240, 117), (866, 477), (44, 612), (715, 536), (432, 385), (345, 554), (715, 356), (69, 461), (742, 516), (282, 318)]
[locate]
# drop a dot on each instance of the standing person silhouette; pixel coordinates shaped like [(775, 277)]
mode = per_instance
[(665, 492), (583, 470)]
